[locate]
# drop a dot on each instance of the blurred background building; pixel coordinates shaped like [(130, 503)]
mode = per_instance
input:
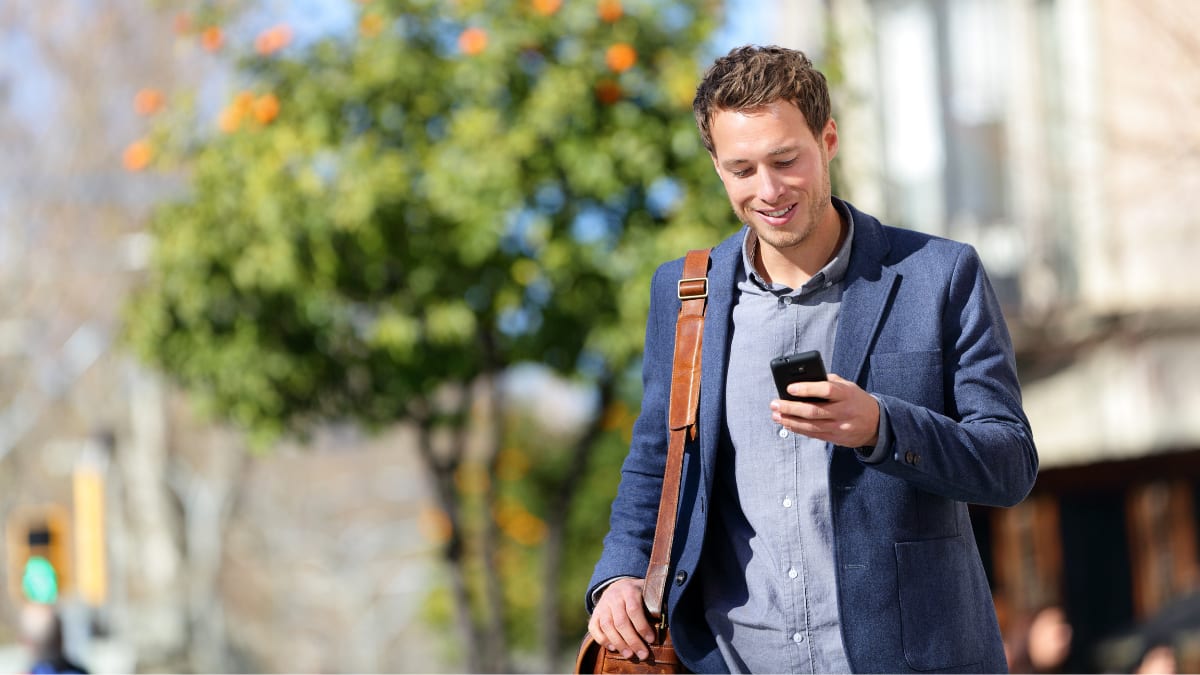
[(1058, 136)]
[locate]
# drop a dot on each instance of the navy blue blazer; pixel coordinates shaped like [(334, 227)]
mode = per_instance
[(920, 327)]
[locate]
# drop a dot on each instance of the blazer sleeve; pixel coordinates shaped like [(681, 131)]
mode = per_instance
[(635, 508), (980, 449)]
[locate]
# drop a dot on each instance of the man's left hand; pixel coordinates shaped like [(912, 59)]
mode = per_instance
[(849, 416)]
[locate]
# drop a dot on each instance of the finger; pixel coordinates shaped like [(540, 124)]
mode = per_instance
[(623, 622), (800, 410), (821, 389), (610, 637), (641, 622), (598, 634)]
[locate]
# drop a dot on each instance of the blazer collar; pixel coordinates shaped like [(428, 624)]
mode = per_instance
[(867, 285)]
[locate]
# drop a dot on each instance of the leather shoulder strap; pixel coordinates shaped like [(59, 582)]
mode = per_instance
[(685, 398)]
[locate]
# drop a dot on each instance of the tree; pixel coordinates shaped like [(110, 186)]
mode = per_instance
[(381, 224)]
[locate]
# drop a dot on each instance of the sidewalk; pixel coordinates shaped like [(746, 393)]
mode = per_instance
[(13, 659)]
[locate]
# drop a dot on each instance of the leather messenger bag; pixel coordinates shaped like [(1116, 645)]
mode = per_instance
[(685, 399)]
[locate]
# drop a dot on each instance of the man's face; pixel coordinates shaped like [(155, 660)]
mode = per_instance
[(775, 173)]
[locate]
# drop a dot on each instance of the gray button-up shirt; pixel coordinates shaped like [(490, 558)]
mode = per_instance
[(768, 568)]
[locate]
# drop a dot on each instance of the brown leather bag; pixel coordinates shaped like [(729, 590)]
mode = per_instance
[(685, 398)]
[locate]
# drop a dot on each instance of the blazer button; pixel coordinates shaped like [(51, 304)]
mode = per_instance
[(908, 457), (680, 577)]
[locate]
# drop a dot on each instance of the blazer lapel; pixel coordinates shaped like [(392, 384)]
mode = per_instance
[(868, 286), (722, 278)]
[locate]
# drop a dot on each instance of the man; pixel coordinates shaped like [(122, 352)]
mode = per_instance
[(830, 536)]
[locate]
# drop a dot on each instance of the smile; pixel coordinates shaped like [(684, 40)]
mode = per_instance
[(778, 213)]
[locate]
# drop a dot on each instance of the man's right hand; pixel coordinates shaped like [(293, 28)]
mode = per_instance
[(619, 620)]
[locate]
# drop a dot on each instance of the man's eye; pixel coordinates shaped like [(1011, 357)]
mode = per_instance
[(740, 173), (785, 163)]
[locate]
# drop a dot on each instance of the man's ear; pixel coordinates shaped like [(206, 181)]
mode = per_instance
[(829, 139)]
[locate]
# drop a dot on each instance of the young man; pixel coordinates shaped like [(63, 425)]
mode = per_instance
[(829, 536)]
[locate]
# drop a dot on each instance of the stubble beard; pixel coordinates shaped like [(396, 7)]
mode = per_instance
[(782, 240)]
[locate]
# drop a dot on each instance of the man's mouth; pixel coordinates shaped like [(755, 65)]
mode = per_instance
[(777, 216)]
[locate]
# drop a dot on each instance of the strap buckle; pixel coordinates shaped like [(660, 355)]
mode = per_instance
[(691, 292)]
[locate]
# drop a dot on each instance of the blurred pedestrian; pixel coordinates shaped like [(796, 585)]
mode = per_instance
[(1159, 659), (1050, 638), (41, 633)]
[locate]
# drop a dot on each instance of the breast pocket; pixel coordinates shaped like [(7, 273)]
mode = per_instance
[(915, 377)]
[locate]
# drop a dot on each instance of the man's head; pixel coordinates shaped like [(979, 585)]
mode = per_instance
[(764, 116), (749, 78)]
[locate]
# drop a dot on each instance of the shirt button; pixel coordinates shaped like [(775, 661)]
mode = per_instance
[(787, 502), (787, 299), (796, 637), (792, 573), (783, 433)]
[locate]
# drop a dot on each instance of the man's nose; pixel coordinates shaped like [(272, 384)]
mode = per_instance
[(770, 187)]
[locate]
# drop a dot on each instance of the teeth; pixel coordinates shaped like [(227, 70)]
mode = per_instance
[(776, 214)]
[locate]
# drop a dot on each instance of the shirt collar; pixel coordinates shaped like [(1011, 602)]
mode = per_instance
[(833, 272)]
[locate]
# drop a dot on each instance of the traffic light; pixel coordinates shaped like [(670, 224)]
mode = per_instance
[(39, 553)]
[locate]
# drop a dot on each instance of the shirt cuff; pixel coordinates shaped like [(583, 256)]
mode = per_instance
[(883, 444)]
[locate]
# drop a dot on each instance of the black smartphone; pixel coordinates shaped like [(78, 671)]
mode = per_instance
[(802, 367)]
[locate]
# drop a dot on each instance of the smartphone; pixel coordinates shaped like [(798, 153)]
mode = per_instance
[(802, 367)]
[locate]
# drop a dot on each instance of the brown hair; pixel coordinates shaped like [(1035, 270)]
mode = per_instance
[(752, 77)]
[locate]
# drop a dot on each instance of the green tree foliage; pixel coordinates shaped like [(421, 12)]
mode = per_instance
[(416, 215), (450, 189)]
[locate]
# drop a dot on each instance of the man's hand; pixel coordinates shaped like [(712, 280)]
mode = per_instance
[(850, 416), (619, 620)]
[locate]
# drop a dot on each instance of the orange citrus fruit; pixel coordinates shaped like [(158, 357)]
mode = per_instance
[(620, 57), (138, 155), (266, 108), (610, 10), (212, 38), (148, 101), (473, 41)]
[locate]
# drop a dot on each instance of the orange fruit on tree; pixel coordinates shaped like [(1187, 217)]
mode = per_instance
[(230, 119), (148, 101), (243, 102), (370, 25), (610, 10), (546, 7), (138, 155), (273, 39), (473, 41), (621, 57), (212, 38), (266, 108)]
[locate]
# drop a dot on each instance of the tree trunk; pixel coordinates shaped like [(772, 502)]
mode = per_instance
[(493, 593), (442, 473), (208, 499), (556, 530)]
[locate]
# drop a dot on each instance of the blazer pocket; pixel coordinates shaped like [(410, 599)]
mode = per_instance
[(939, 625), (915, 377)]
